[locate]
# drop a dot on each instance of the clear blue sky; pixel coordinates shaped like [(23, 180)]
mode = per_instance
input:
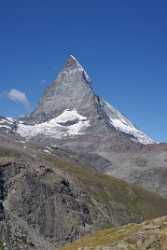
[(122, 44)]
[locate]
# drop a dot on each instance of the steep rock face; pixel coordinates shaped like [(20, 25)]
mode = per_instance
[(71, 90), (71, 93)]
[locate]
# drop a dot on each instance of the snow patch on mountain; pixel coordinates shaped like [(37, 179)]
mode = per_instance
[(121, 123), (69, 123), (5, 126), (10, 119), (7, 120), (69, 116), (6, 123)]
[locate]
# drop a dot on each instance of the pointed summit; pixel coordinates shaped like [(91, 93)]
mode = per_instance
[(72, 99), (70, 90), (73, 68), (72, 64), (72, 61)]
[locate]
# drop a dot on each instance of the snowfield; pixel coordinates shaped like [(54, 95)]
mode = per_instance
[(69, 123), (121, 123)]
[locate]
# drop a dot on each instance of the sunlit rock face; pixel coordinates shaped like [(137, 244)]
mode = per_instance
[(71, 90), (72, 98)]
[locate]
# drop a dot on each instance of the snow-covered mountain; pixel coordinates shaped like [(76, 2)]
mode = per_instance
[(72, 120), (7, 124), (69, 123), (121, 123), (69, 108)]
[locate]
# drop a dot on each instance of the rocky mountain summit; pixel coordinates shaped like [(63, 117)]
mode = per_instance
[(70, 107)]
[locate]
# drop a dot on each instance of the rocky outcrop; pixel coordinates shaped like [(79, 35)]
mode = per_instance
[(150, 235), (71, 90)]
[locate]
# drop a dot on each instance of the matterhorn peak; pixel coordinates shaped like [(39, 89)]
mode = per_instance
[(71, 99), (72, 62), (73, 66), (70, 90)]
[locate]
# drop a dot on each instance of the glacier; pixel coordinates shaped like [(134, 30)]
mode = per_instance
[(57, 127)]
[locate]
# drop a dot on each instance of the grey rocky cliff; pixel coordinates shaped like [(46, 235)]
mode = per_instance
[(71, 90)]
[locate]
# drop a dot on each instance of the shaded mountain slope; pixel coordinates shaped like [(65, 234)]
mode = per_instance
[(47, 201)]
